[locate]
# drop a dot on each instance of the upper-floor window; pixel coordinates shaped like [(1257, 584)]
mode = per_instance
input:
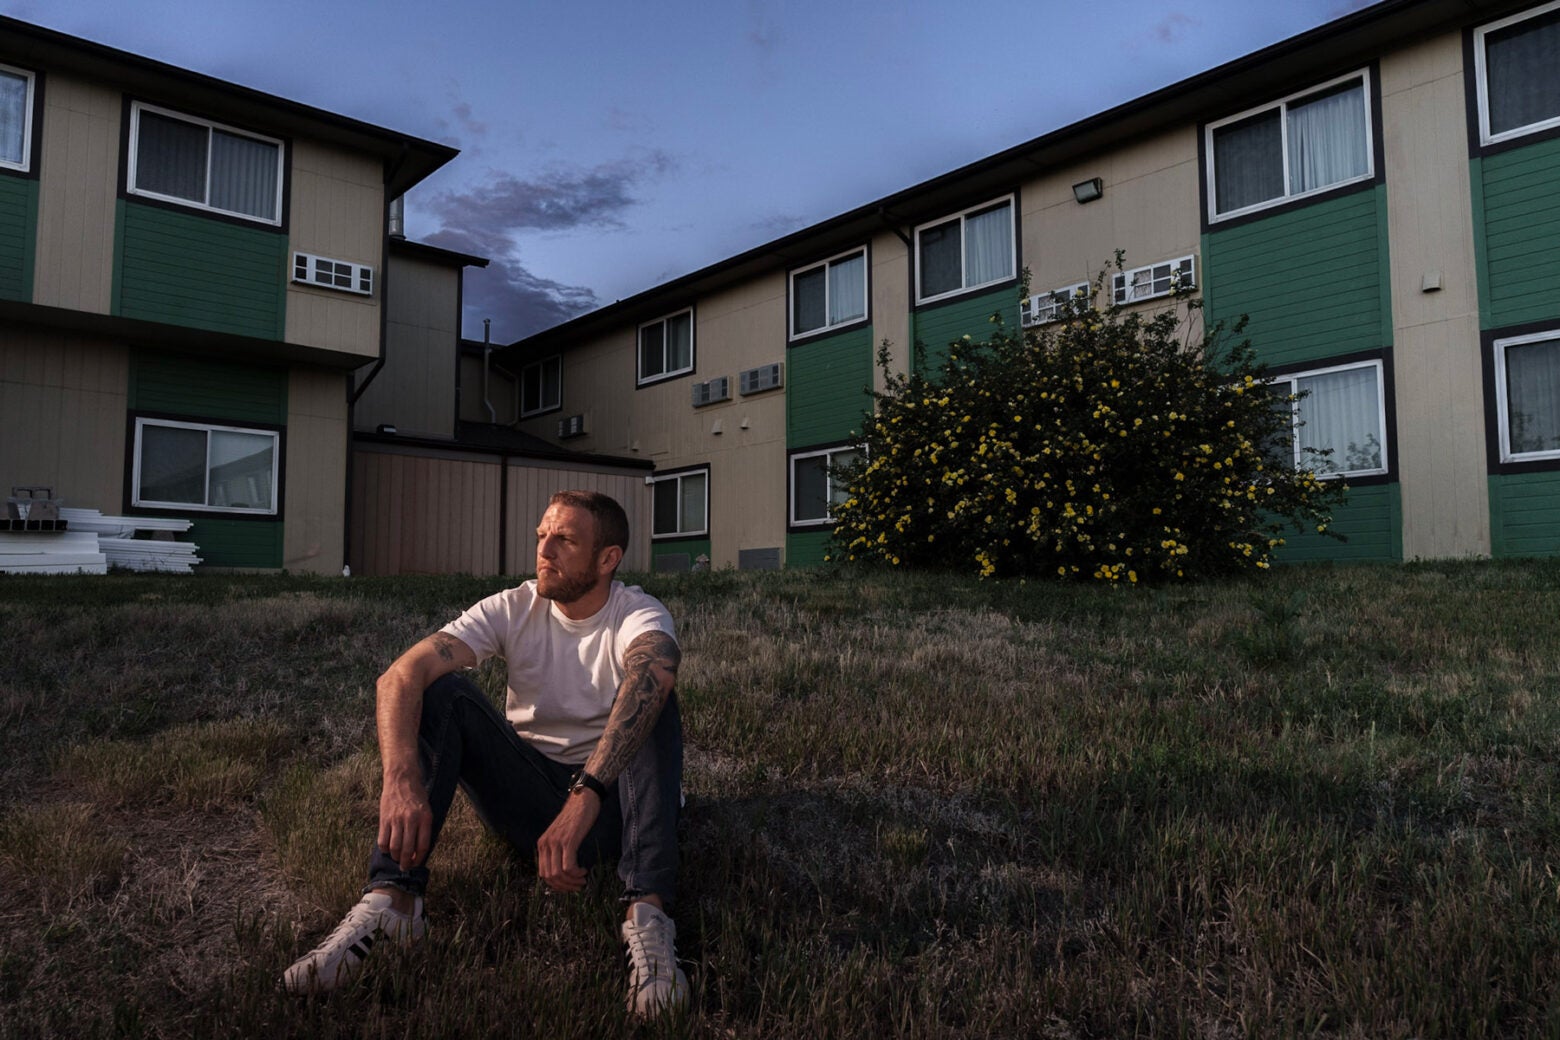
[(666, 347), (966, 251), (1340, 411), (1294, 147), (541, 386), (16, 105), (1517, 63), (190, 161), (184, 465), (1527, 393), (830, 294)]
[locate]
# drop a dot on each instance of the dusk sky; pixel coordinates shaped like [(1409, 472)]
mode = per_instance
[(610, 146)]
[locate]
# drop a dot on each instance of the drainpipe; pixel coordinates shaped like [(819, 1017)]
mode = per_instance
[(487, 354)]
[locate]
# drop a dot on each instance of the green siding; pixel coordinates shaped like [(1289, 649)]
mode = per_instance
[(18, 236), (213, 391), (826, 388), (1525, 514), (1314, 280), (186, 269), (693, 548), (806, 548), (1371, 518), (1517, 234), (198, 388), (933, 329)]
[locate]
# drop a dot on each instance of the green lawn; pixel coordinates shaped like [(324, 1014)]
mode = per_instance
[(1319, 803)]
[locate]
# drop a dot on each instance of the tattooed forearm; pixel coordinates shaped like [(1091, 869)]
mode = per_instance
[(650, 671), (445, 645)]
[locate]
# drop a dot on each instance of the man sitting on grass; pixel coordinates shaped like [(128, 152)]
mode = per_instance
[(591, 667)]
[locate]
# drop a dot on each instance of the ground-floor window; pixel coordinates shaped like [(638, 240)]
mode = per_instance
[(816, 487), (682, 504), (1527, 394), (188, 465), (1341, 410)]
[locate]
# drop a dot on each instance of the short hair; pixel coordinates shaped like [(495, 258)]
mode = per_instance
[(611, 521)]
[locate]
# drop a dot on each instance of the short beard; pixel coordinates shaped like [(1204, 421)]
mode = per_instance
[(564, 590)]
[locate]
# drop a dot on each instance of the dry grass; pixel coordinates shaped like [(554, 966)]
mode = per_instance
[(1320, 805)]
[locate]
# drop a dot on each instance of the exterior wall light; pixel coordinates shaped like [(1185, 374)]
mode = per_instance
[(1089, 190)]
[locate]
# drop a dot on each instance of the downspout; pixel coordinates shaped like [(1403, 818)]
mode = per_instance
[(503, 515), (487, 354)]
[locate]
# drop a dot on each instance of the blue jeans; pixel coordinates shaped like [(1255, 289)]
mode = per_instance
[(517, 791)]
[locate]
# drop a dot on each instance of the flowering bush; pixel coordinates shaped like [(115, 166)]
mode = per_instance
[(1099, 446)]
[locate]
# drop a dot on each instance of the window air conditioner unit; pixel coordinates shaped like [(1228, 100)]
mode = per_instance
[(343, 275), (573, 426), (757, 380), (717, 389)]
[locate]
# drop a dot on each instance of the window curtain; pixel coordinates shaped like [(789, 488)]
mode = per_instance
[(1327, 140), (988, 246), (839, 489), (13, 117), (1341, 413), (1248, 162), (847, 290), (1533, 396), (679, 335), (691, 513), (243, 175), (1522, 64), (170, 157)]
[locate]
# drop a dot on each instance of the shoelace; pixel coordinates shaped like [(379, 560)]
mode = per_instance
[(349, 924), (639, 942)]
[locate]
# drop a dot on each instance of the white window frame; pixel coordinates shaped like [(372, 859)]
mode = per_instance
[(1282, 105), (1481, 78), (1296, 409), (1046, 307), (537, 370), (27, 119), (962, 216), (693, 335), (1502, 397), (828, 497), (322, 272), (1174, 275), (208, 429), (680, 477), (849, 254), (135, 145)]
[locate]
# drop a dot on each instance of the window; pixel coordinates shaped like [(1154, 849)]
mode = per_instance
[(828, 295), (16, 105), (541, 386), (184, 465), (816, 487), (681, 507), (973, 249), (1517, 65), (195, 163), (1303, 144), (1527, 394), (1341, 412), (1046, 307), (666, 347), (1147, 283)]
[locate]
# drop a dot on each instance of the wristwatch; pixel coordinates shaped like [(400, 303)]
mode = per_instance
[(583, 781)]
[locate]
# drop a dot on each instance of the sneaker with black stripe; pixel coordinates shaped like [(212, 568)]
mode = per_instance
[(336, 960)]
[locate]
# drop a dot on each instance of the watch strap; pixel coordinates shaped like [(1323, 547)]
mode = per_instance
[(583, 781)]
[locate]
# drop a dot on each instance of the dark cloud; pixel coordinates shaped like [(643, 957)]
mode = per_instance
[(491, 218), (1173, 26)]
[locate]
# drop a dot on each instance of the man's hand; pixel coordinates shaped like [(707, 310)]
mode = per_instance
[(405, 820), (557, 851)]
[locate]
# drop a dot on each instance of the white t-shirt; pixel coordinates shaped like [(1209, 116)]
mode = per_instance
[(563, 674)]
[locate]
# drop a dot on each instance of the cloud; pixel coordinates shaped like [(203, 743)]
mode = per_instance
[(491, 218), (1173, 26)]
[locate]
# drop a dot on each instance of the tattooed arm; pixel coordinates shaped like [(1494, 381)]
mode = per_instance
[(649, 673), (405, 819)]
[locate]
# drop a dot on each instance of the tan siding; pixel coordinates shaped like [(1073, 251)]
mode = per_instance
[(316, 460), (890, 302), (337, 210), (415, 391), (76, 196), (62, 416), (1439, 381)]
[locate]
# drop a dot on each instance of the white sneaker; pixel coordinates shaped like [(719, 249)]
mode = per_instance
[(655, 982), (337, 959)]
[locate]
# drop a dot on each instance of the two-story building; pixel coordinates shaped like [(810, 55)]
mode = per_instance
[(190, 271), (1378, 195)]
